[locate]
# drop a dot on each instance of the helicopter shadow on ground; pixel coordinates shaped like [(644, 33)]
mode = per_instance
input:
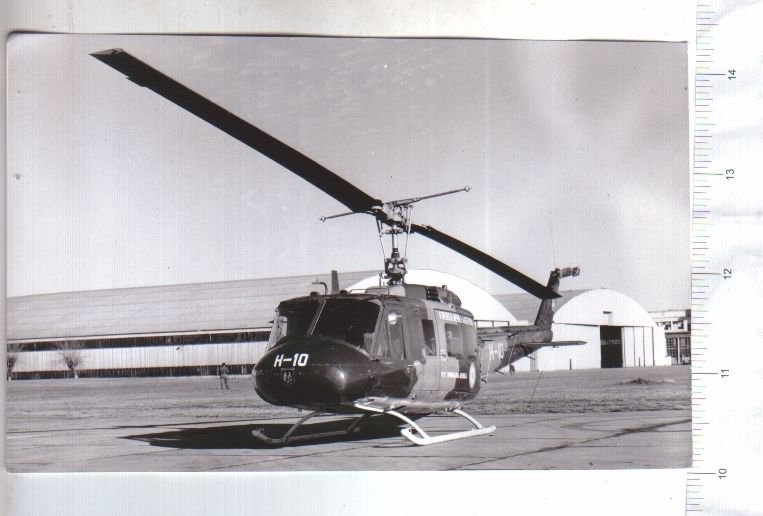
[(240, 436)]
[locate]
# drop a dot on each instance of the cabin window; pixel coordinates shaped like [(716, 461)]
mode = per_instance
[(350, 320), (459, 333), (469, 333), (454, 340)]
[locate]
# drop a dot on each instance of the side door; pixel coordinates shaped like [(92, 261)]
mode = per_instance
[(458, 353), (449, 348), (425, 358)]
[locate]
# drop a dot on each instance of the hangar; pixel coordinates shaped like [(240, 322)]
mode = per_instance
[(161, 330), (617, 331), (190, 329)]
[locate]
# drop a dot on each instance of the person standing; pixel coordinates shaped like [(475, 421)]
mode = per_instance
[(222, 371)]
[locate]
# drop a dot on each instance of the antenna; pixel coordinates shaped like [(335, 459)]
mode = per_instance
[(551, 228), (325, 287)]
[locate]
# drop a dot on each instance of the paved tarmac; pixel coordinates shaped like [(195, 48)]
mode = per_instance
[(615, 440)]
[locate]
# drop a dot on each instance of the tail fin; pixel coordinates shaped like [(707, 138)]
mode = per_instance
[(546, 311)]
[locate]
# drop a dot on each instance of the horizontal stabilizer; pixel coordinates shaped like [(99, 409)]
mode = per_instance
[(558, 343), (555, 344)]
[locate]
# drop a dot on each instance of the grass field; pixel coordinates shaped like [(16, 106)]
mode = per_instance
[(42, 403), (589, 390)]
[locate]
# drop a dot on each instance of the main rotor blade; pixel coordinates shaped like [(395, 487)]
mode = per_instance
[(143, 75), (524, 282)]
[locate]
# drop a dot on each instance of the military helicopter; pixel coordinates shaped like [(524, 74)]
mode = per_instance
[(401, 350)]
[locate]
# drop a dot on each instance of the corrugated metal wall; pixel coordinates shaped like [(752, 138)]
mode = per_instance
[(635, 348), (586, 356), (144, 357), (642, 347)]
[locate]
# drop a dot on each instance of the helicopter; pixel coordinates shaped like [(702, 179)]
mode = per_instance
[(397, 349)]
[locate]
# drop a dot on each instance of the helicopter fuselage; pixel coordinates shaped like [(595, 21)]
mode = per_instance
[(407, 347)]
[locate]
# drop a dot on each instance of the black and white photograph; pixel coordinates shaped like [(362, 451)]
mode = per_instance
[(286, 254)]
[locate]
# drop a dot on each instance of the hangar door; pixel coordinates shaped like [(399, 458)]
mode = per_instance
[(611, 346)]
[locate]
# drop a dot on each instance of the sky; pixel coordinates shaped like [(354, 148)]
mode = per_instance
[(576, 153)]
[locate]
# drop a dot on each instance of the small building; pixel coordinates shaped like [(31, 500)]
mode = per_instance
[(677, 326)]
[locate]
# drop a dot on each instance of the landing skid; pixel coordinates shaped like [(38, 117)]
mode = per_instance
[(414, 433), (419, 437), (288, 437)]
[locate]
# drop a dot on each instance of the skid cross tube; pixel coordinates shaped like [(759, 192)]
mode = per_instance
[(288, 436)]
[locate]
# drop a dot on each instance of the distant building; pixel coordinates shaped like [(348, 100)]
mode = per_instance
[(677, 326), (163, 330), (190, 329)]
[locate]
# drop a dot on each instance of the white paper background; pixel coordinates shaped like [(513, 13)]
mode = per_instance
[(467, 493)]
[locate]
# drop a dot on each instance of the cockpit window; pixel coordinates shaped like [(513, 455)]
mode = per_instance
[(293, 319), (350, 320)]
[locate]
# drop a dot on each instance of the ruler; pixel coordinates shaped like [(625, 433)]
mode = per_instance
[(726, 246)]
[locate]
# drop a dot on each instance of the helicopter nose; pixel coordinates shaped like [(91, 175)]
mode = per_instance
[(311, 372)]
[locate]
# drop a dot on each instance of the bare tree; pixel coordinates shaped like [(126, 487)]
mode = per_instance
[(11, 356), (71, 355)]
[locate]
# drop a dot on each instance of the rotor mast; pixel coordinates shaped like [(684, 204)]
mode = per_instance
[(394, 218), (399, 223)]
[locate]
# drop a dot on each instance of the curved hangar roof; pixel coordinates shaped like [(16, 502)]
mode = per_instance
[(481, 304), (602, 307), (167, 309), (202, 307), (597, 307), (246, 304)]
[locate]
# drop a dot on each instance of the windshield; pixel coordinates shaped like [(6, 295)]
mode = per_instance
[(292, 319), (350, 320)]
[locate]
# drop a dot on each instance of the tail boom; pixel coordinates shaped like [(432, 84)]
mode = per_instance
[(503, 346)]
